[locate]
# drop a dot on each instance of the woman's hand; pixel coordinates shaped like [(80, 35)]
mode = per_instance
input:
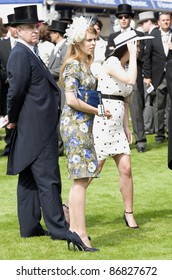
[(132, 47), (147, 81), (108, 114)]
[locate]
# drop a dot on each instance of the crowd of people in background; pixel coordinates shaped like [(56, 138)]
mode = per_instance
[(131, 69), (148, 110)]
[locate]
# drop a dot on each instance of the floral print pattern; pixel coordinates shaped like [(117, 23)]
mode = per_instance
[(76, 127)]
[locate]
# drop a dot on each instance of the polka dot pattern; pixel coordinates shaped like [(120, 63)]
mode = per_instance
[(109, 136)]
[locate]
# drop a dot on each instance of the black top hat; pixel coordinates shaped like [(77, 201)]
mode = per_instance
[(26, 14), (124, 9), (58, 26), (66, 15), (11, 20)]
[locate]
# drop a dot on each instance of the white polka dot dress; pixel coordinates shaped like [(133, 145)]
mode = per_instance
[(109, 135)]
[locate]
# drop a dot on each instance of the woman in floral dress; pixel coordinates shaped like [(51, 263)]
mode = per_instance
[(76, 126)]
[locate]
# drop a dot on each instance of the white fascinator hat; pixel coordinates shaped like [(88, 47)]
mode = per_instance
[(76, 32), (124, 37)]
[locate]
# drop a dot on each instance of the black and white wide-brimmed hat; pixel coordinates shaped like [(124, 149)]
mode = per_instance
[(124, 37)]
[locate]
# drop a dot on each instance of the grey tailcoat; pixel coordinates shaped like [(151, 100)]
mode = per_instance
[(56, 60)]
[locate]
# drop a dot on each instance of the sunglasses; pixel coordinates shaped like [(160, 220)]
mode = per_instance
[(123, 16)]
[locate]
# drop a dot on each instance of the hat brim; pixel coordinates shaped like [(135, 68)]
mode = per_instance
[(56, 30), (10, 24), (137, 38), (28, 22), (124, 13), (144, 20)]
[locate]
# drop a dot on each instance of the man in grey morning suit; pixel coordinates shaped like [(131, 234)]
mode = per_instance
[(57, 30), (33, 104)]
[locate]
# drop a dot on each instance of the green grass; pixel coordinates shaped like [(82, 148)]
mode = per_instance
[(104, 214)]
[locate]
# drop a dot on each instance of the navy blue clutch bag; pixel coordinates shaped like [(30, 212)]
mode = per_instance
[(91, 97)]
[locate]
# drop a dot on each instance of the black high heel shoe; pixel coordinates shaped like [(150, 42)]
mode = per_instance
[(68, 238), (77, 242), (66, 213), (125, 219)]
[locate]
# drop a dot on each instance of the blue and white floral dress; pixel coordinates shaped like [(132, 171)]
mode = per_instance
[(76, 127)]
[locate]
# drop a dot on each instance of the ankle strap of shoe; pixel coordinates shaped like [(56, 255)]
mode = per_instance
[(65, 206)]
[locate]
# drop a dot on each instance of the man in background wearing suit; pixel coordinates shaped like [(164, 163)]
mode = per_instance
[(57, 30), (169, 87), (157, 53), (6, 46), (125, 14), (148, 22), (33, 105)]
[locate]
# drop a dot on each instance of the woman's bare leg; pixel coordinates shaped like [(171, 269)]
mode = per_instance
[(66, 205), (123, 163), (77, 203)]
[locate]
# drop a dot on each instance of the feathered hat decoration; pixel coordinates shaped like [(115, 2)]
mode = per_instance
[(76, 31)]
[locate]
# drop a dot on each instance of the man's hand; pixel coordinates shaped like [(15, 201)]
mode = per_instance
[(11, 125), (147, 81)]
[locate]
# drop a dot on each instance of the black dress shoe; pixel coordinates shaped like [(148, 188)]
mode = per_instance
[(41, 232), (159, 141), (53, 237), (140, 149), (37, 232)]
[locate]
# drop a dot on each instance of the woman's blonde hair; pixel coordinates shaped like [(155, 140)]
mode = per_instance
[(74, 52)]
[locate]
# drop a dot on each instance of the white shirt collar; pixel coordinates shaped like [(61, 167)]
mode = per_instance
[(26, 44), (164, 33), (13, 41), (127, 29)]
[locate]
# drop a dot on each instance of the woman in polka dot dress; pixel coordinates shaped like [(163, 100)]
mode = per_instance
[(112, 137)]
